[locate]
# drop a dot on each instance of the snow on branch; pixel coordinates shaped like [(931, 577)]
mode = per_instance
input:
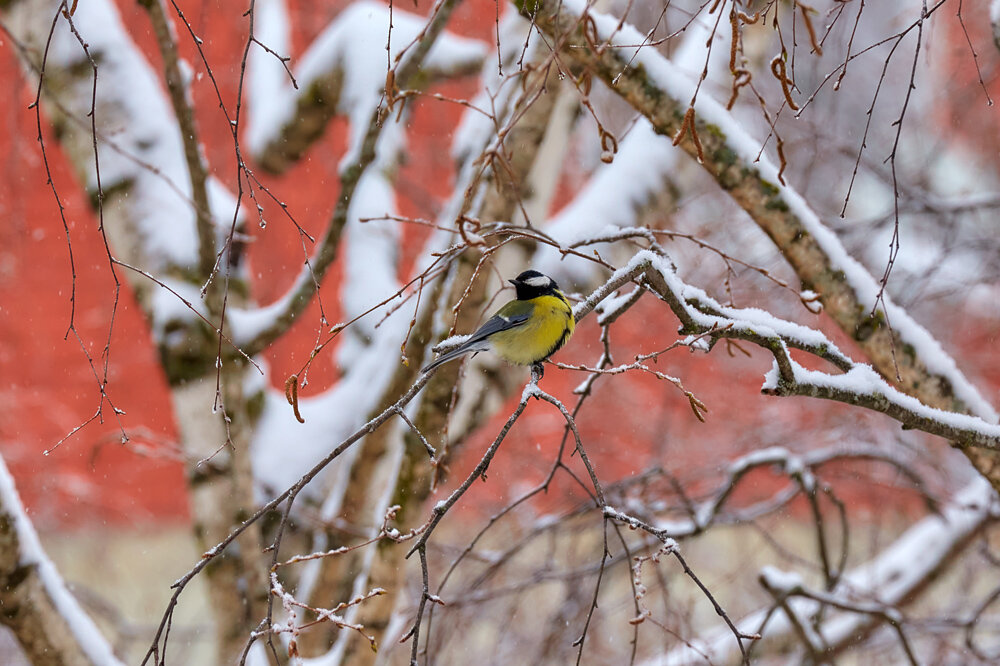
[(865, 596), (47, 620), (345, 72), (141, 155), (859, 385), (864, 387), (655, 87)]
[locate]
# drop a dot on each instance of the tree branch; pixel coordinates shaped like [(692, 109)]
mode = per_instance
[(278, 317), (50, 625), (649, 83), (188, 128)]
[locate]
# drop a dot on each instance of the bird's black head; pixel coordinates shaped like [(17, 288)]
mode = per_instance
[(532, 284)]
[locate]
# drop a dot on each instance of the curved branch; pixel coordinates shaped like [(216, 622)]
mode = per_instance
[(271, 322)]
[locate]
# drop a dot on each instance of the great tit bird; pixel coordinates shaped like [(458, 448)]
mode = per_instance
[(525, 331)]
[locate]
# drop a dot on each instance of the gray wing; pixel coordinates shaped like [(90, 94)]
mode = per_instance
[(476, 341), (495, 324)]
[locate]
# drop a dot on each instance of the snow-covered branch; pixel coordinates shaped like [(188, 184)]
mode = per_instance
[(49, 623), (359, 86), (863, 387), (701, 315)]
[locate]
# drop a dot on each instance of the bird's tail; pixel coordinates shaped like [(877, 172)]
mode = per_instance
[(475, 346)]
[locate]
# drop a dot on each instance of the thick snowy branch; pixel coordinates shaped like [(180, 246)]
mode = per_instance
[(47, 620), (254, 330), (863, 387), (701, 315)]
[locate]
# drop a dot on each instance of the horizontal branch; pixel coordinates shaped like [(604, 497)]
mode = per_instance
[(859, 385), (863, 387)]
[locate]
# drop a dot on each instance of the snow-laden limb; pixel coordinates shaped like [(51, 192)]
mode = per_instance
[(149, 215), (893, 578), (859, 385), (344, 72), (701, 314), (864, 387), (47, 620), (369, 145), (654, 87)]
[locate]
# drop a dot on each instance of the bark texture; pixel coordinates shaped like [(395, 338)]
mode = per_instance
[(28, 610)]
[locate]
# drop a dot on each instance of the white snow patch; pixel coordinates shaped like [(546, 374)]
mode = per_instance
[(269, 90), (354, 44), (610, 199), (780, 581)]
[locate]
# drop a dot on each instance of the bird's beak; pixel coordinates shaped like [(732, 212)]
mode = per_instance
[(513, 282)]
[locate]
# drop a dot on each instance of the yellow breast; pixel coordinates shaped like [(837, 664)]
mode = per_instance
[(550, 326)]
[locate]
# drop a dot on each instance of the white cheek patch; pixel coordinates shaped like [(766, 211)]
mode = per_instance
[(540, 281)]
